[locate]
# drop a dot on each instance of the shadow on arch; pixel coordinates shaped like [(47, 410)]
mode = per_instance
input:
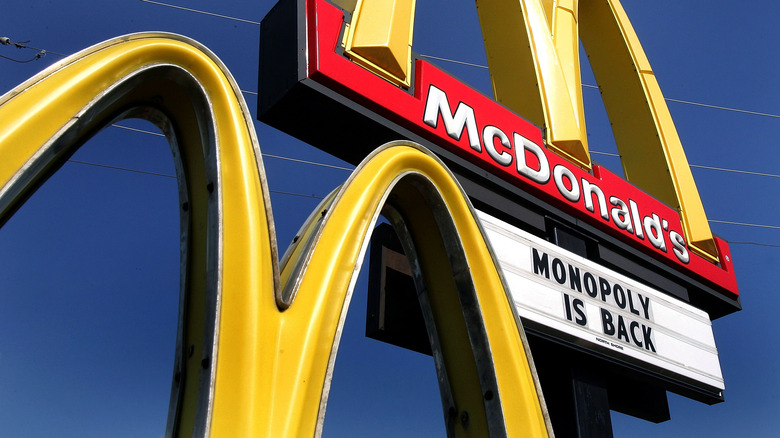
[(264, 340)]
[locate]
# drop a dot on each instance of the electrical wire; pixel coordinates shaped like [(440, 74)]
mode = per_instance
[(314, 163), (348, 169), (202, 12), (687, 102), (755, 243), (668, 99), (165, 175), (43, 52), (20, 45), (455, 61), (37, 56), (699, 166), (5, 41), (125, 169), (279, 157), (773, 227)]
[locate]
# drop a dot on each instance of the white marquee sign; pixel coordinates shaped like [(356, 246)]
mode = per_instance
[(575, 299)]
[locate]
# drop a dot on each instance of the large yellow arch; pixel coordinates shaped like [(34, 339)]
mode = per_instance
[(263, 345)]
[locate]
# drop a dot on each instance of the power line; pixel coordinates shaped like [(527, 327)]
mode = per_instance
[(314, 163), (296, 194), (771, 175), (23, 45), (278, 157), (165, 175), (687, 102), (325, 165), (20, 45), (37, 56), (125, 169), (722, 169), (736, 110), (202, 12), (773, 227), (302, 195), (454, 61), (755, 243), (143, 131), (42, 52), (668, 99)]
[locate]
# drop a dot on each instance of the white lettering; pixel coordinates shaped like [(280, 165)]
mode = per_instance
[(679, 247), (620, 214), (635, 219), (490, 133), (464, 117), (522, 144), (572, 194), (654, 232), (588, 190)]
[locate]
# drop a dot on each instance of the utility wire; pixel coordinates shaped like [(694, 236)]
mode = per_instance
[(278, 157), (736, 110), (165, 175), (143, 131), (755, 243), (202, 12), (722, 169), (773, 227), (687, 102), (23, 45), (20, 45), (668, 99), (349, 169), (125, 169), (453, 61), (37, 56), (314, 163), (6, 41)]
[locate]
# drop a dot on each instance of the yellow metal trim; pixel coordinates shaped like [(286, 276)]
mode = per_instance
[(532, 50), (650, 149), (379, 38)]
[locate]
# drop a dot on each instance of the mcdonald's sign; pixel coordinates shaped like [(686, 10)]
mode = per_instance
[(628, 245), (318, 64), (264, 330)]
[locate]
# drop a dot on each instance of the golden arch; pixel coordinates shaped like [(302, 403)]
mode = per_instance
[(265, 341), (532, 49)]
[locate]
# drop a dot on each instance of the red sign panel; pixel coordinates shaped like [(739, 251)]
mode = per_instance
[(458, 118)]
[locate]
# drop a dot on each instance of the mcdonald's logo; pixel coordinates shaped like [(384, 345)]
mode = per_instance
[(246, 313), (360, 57)]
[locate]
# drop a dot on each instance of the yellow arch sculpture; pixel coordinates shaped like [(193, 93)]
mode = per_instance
[(256, 348)]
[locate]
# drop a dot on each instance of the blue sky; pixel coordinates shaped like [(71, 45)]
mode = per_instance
[(89, 265)]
